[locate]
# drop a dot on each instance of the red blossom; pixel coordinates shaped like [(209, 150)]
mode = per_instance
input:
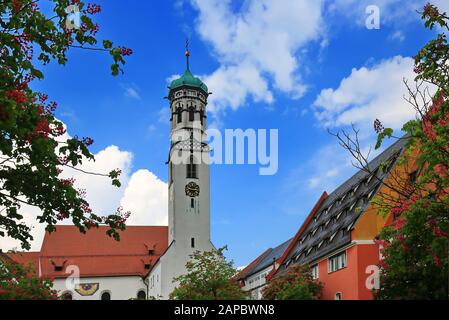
[(62, 215), (68, 182), (437, 261), (93, 8), (441, 170), (17, 95), (42, 128), (16, 5), (378, 127), (90, 224), (126, 51), (24, 41), (437, 232), (88, 141), (85, 207), (59, 131), (399, 224)]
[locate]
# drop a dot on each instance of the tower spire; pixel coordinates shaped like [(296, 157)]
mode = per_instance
[(187, 53)]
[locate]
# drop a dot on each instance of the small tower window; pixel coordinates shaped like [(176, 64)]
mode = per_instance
[(179, 111), (201, 116), (192, 242), (191, 114), (192, 203), (192, 172)]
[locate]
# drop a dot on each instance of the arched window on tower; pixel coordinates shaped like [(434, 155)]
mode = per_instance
[(201, 116), (179, 112), (191, 114), (192, 172)]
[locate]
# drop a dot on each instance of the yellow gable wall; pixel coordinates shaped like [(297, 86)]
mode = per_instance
[(369, 225)]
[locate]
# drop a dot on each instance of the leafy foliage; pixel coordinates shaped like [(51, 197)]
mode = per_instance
[(416, 246), (209, 277), (415, 265), (33, 147), (18, 282), (295, 284)]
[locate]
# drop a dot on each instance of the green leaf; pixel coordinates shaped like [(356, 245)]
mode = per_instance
[(107, 44)]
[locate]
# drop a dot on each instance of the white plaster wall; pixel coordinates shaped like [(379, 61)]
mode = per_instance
[(256, 282), (120, 288), (155, 281)]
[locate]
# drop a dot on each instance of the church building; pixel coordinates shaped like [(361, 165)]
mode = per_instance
[(143, 264)]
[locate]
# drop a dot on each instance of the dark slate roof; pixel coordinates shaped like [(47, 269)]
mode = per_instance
[(266, 259), (330, 228)]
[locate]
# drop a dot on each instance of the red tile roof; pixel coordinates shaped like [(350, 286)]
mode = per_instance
[(96, 254), (26, 258)]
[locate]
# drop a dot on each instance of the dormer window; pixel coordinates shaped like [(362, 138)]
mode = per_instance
[(147, 266), (413, 176), (58, 264), (150, 252)]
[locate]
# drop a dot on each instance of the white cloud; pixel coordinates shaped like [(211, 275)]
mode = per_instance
[(146, 196), (132, 93), (234, 84), (397, 36), (164, 115), (100, 192), (367, 94), (142, 193), (256, 45)]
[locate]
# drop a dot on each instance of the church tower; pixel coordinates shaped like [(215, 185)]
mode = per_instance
[(188, 182), (188, 164)]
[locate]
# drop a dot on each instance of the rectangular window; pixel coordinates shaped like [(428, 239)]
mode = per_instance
[(337, 262), (192, 203), (191, 115), (315, 274), (192, 242), (179, 110), (192, 172)]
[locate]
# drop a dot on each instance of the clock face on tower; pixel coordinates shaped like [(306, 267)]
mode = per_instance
[(192, 189)]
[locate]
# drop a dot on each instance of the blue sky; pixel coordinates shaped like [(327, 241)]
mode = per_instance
[(298, 66)]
